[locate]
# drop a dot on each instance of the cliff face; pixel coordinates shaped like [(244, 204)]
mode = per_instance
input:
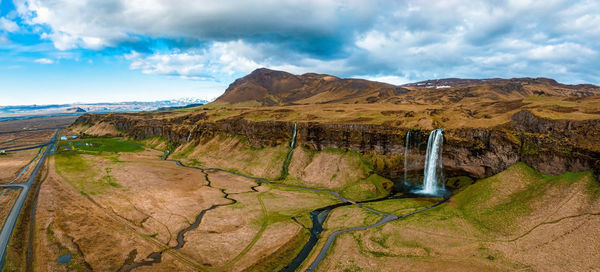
[(550, 146), (556, 146)]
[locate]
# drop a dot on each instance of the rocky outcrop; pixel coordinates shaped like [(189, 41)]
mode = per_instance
[(550, 146)]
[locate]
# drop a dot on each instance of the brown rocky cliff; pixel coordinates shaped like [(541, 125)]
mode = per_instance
[(550, 146)]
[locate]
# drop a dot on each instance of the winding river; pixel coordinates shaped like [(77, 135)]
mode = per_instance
[(318, 216)]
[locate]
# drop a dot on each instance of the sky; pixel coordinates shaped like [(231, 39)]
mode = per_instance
[(65, 51)]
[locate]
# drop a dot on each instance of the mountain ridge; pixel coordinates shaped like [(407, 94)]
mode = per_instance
[(266, 87)]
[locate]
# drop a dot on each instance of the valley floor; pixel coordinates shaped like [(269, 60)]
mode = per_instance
[(115, 205)]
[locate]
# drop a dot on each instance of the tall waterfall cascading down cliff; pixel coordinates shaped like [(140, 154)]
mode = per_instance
[(406, 153), (433, 176)]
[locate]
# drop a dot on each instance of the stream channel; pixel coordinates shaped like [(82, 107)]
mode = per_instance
[(317, 216)]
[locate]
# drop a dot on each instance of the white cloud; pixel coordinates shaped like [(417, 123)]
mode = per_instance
[(8, 25), (395, 80), (221, 58), (97, 24), (227, 59), (44, 61), (394, 41), (564, 51)]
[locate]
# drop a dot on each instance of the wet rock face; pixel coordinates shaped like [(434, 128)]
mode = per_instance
[(478, 153), (550, 146)]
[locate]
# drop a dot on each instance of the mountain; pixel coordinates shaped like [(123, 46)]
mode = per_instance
[(131, 106), (75, 110), (269, 88)]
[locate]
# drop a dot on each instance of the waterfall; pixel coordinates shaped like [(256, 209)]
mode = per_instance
[(190, 135), (406, 147), (288, 159), (293, 137), (433, 180)]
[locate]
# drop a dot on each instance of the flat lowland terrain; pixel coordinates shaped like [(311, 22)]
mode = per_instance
[(38, 123), (22, 134), (13, 163), (7, 199), (25, 139), (110, 203)]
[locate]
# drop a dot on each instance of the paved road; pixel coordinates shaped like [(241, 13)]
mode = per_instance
[(27, 148), (11, 220), (20, 173)]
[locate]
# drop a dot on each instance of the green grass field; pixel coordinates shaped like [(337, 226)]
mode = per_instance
[(113, 145)]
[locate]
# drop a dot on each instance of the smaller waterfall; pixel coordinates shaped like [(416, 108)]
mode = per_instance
[(433, 180), (293, 137), (190, 135), (288, 158), (406, 148)]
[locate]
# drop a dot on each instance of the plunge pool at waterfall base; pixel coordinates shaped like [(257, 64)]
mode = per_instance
[(440, 192), (414, 185)]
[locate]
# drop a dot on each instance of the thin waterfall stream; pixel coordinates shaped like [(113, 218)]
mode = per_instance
[(406, 154), (294, 136), (288, 158)]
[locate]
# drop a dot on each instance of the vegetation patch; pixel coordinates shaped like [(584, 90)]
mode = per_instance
[(78, 172), (283, 255), (456, 184), (374, 186), (237, 154), (113, 145), (493, 208)]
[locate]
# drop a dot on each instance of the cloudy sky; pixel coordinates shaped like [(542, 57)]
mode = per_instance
[(60, 51)]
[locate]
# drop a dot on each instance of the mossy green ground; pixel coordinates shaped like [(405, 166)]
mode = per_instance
[(235, 154), (489, 210), (74, 168), (113, 145)]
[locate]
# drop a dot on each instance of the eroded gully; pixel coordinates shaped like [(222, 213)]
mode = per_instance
[(156, 257)]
